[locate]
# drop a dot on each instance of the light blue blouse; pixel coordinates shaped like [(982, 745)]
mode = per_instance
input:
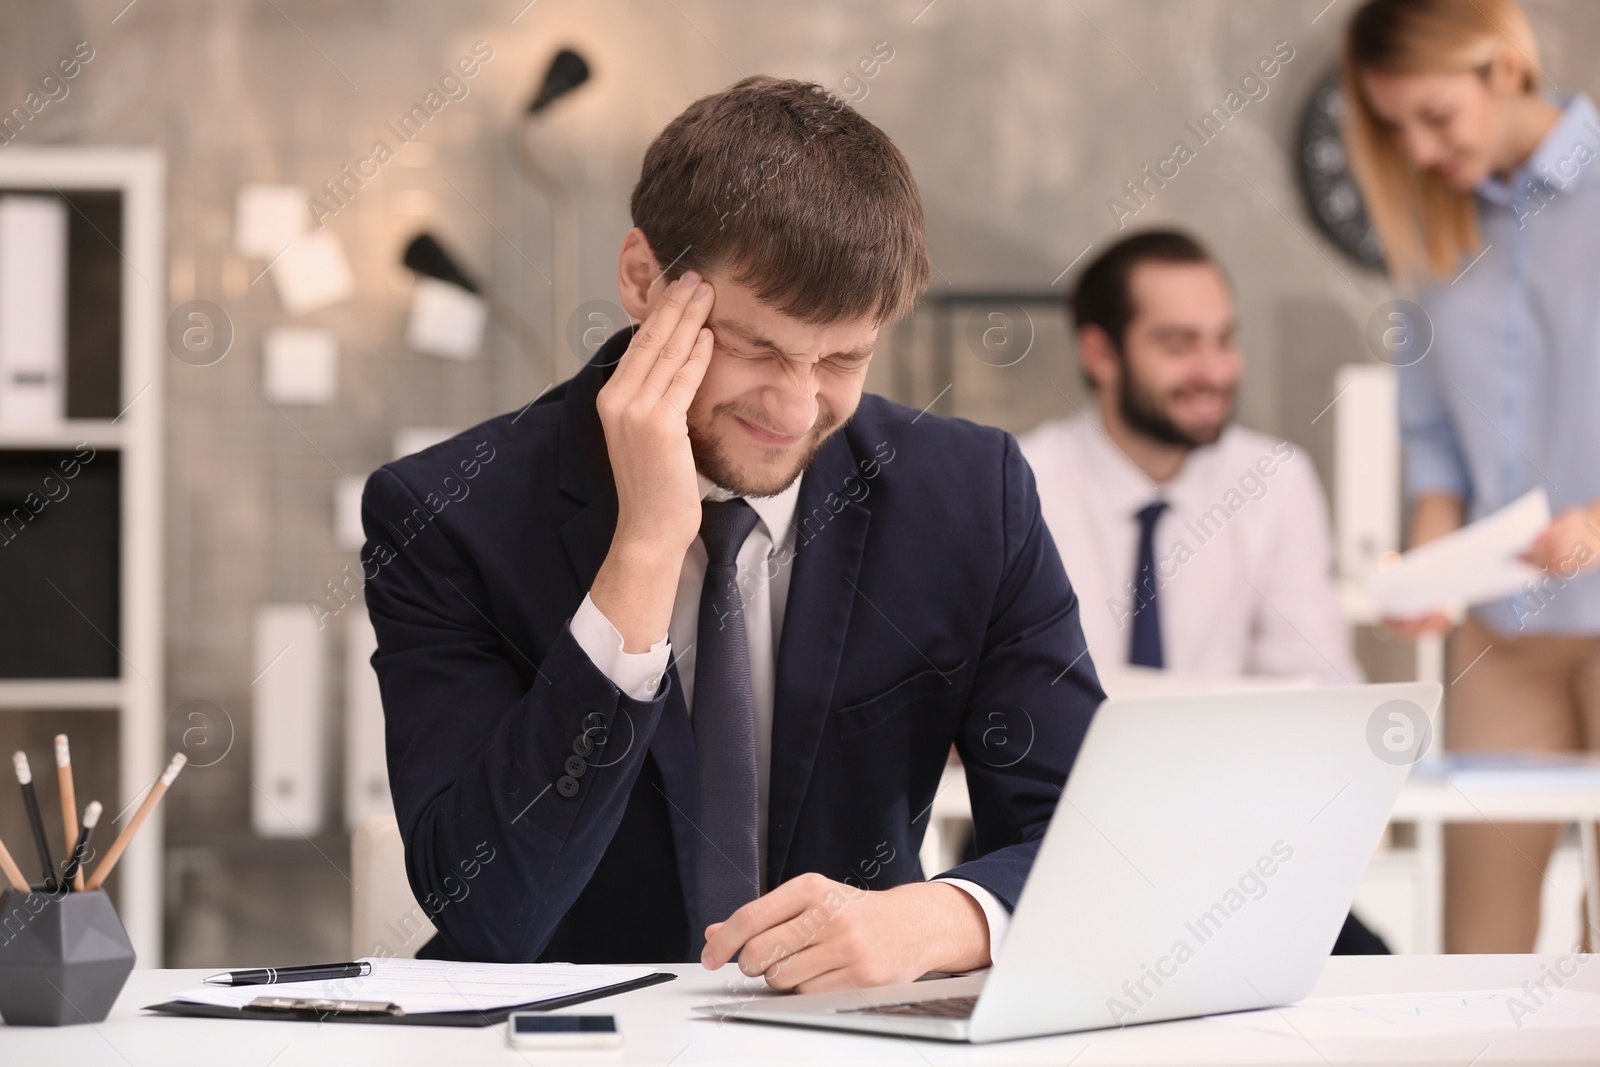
[(1508, 397)]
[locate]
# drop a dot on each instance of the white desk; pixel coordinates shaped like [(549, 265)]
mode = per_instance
[(660, 1029)]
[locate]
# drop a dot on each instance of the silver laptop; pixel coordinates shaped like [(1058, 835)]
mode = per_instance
[(1201, 859)]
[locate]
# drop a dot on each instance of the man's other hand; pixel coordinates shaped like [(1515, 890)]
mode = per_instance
[(814, 935)]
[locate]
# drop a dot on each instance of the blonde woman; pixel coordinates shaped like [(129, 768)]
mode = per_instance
[(1486, 194)]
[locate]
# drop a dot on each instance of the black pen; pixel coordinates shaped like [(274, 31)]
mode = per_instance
[(321, 972), (30, 801)]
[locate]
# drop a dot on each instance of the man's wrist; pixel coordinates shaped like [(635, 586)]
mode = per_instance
[(953, 926), (645, 553), (635, 589)]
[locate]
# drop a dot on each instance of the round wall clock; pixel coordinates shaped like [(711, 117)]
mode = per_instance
[(1324, 169)]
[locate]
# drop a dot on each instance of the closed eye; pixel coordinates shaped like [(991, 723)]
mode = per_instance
[(848, 361), (740, 351)]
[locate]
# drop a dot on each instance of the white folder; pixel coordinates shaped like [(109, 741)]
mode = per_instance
[(33, 310), (366, 767), (288, 722)]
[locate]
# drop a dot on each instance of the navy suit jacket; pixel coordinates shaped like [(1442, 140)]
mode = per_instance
[(548, 816)]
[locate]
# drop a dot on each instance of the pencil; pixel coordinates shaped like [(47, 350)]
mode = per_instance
[(80, 850), (12, 871), (30, 801), (151, 799), (69, 797)]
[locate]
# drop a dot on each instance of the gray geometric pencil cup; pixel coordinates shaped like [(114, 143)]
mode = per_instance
[(63, 960)]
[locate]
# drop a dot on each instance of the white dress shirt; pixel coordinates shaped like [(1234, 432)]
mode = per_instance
[(764, 593), (1242, 554)]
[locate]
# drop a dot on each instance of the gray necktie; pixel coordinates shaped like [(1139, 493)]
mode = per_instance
[(724, 723)]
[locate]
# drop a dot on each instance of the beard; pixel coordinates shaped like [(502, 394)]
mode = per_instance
[(1146, 414), (713, 460)]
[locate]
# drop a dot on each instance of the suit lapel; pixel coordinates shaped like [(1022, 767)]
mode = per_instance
[(822, 593), (587, 537), (585, 477)]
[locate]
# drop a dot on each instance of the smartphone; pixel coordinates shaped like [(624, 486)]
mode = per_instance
[(537, 1029)]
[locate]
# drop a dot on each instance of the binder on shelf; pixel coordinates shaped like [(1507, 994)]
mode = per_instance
[(1366, 467), (33, 310), (366, 766), (288, 750)]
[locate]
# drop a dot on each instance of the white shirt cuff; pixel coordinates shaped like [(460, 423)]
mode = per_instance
[(994, 912), (637, 674)]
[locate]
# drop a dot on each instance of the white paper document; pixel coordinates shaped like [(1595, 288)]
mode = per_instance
[(1474, 565), (1424, 1015), (420, 986), (312, 272), (446, 320), (300, 365), (267, 218)]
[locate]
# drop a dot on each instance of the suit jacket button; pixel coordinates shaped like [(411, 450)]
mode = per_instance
[(576, 766), (583, 745), (566, 786)]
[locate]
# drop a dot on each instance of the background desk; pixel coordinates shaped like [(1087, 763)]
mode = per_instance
[(659, 1028), (1431, 797), (1559, 794)]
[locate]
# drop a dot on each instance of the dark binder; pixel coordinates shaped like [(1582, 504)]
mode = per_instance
[(437, 1018)]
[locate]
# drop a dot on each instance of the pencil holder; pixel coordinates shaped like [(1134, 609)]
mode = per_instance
[(63, 959)]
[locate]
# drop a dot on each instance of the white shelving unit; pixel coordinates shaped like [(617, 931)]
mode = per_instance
[(137, 696)]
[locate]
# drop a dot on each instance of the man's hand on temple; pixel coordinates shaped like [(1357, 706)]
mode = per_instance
[(812, 934), (643, 409)]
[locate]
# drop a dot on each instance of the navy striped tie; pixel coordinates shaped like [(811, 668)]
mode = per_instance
[(1145, 648)]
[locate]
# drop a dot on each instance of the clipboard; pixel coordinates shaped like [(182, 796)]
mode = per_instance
[(489, 1017)]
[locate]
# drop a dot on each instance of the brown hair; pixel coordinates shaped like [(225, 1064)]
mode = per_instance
[(1426, 225), (787, 187), (1103, 296)]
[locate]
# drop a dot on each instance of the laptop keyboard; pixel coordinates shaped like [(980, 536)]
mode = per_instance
[(941, 1008)]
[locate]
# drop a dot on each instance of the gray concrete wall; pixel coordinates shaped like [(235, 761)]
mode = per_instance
[(1021, 119)]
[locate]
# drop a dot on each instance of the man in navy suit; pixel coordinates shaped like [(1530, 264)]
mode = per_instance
[(672, 657)]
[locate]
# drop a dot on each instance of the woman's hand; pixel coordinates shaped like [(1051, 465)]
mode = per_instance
[(1570, 545), (1435, 515)]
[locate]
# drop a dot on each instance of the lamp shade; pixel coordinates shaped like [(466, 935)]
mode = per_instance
[(568, 70), (427, 257)]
